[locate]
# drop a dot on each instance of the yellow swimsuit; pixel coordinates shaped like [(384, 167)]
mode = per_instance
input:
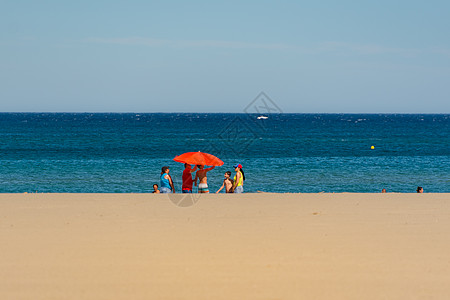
[(241, 180)]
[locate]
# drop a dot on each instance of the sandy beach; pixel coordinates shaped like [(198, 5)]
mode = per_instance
[(249, 246)]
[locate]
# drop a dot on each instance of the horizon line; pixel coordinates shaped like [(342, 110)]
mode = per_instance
[(244, 113)]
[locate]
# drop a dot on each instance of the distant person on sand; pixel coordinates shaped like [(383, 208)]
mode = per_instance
[(155, 189), (187, 178), (383, 191), (203, 180), (419, 189), (166, 181), (227, 183), (238, 185)]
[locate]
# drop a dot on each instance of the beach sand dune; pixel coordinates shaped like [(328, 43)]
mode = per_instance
[(249, 246)]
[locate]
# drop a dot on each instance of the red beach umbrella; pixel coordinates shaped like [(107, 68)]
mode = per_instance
[(198, 158)]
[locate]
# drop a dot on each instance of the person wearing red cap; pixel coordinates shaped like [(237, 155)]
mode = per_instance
[(238, 185)]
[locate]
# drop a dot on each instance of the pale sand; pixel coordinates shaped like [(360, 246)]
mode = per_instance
[(250, 246)]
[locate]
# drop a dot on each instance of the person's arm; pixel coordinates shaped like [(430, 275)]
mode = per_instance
[(232, 184), (194, 169), (232, 187), (171, 184), (195, 179), (209, 169), (223, 184)]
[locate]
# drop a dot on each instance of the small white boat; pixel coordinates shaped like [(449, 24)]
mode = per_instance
[(262, 117)]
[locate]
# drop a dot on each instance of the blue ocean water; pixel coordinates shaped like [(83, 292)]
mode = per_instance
[(123, 153)]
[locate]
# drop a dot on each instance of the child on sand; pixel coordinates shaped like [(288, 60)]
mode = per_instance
[(155, 189), (227, 183)]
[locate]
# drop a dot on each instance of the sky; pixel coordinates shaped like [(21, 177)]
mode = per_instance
[(210, 56)]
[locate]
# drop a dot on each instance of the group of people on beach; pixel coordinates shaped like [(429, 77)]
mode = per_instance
[(235, 185)]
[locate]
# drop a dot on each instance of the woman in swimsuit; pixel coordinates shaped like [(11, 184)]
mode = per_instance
[(166, 182), (238, 185)]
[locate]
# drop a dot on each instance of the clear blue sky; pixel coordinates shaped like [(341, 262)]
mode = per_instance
[(203, 56)]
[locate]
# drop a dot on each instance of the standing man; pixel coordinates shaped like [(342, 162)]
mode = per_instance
[(187, 178), (201, 176)]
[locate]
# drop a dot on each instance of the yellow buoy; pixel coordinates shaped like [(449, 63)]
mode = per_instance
[(373, 147)]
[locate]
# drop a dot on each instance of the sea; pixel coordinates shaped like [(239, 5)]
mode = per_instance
[(285, 153)]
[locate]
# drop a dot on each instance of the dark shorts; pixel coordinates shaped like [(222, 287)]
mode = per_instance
[(186, 191)]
